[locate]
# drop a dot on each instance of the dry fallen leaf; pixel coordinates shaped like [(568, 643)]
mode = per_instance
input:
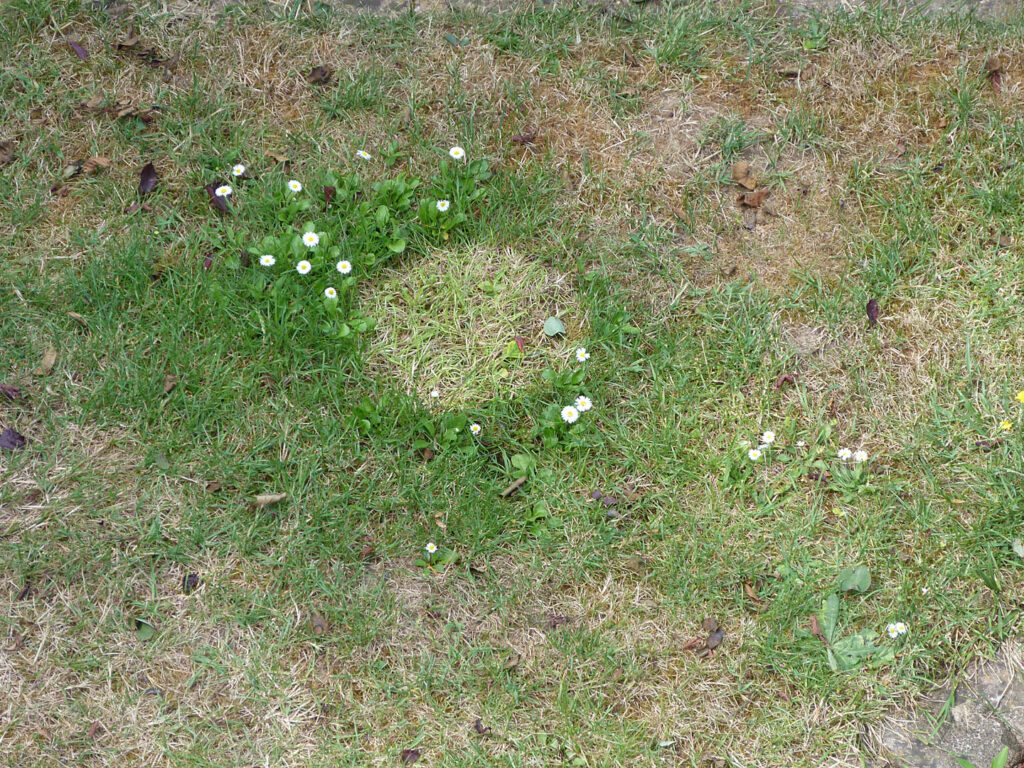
[(266, 499), (329, 195), (318, 624), (79, 319), (170, 382), (46, 363), (320, 75), (710, 624), (11, 440), (480, 728), (816, 629), (872, 310), (80, 52), (9, 392), (94, 164), (189, 582), (409, 756), (693, 644), (94, 729), (753, 199), (742, 176), (6, 152), (213, 486), (786, 378), (526, 137), (715, 639), (147, 179)]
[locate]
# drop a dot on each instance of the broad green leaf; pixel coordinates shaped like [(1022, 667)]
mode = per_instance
[(829, 616), (144, 630), (553, 326), (855, 579)]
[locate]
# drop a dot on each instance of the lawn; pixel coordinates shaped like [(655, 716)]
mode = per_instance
[(780, 240)]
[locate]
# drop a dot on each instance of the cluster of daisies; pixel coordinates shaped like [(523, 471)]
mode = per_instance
[(582, 404), (843, 454), (896, 629), (311, 239), (225, 190)]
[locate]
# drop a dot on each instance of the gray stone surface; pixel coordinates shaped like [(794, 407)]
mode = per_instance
[(986, 715)]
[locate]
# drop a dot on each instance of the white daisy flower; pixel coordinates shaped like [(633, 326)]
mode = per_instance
[(295, 186), (860, 456), (583, 403), (311, 239), (844, 454), (801, 444), (754, 454), (330, 293), (924, 590), (267, 260), (344, 266), (222, 191), (431, 547), (892, 631), (435, 394), (768, 437), (303, 267), (901, 627), (582, 355), (457, 153), (475, 429), (238, 170), (443, 205), (570, 414), (363, 154)]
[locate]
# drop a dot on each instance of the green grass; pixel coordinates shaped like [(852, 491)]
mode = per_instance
[(562, 629)]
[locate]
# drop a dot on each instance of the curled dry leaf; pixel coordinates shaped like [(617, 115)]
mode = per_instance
[(786, 378), (10, 392), (79, 319), (147, 179), (710, 624), (213, 486), (329, 195), (753, 199), (267, 499), (526, 137), (217, 202), (6, 152), (715, 639), (693, 644), (189, 582), (872, 310), (47, 362), (94, 164), (480, 728), (12, 440), (317, 624), (320, 75), (409, 756), (741, 175), (170, 382)]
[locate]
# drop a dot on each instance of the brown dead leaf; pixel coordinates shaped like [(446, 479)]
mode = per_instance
[(170, 382), (694, 644), (742, 176), (994, 69), (147, 179), (80, 52), (267, 499), (512, 663), (10, 392), (554, 621), (213, 486), (710, 624), (480, 728), (989, 445), (786, 378), (816, 629), (94, 729), (6, 152), (526, 137), (318, 624), (79, 319), (751, 593), (94, 164), (872, 311), (715, 639), (409, 756), (329, 195), (753, 199), (47, 362), (17, 642), (320, 75)]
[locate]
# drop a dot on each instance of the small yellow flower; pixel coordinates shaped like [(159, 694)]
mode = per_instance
[(1005, 425), (1020, 396)]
